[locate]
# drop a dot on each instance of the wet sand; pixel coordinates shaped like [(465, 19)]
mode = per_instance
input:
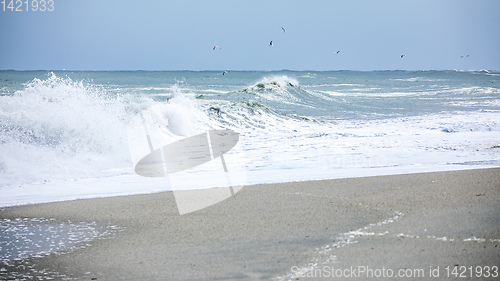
[(300, 231)]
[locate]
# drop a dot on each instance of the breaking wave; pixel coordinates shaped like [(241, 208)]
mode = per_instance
[(58, 128)]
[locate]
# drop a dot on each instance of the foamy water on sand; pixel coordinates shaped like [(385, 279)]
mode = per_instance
[(38, 237)]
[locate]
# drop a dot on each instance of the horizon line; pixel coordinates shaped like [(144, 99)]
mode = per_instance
[(275, 70)]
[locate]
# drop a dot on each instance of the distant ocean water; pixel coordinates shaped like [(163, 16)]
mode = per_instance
[(63, 134)]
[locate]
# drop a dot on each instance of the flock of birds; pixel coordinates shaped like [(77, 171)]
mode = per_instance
[(335, 52)]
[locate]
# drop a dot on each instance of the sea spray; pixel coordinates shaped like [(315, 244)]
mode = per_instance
[(183, 115), (58, 128)]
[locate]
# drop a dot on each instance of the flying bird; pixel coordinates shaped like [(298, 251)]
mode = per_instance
[(337, 52), (223, 73), (466, 56), (271, 43), (403, 55), (284, 31), (215, 47)]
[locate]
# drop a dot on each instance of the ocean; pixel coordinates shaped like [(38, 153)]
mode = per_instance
[(70, 134)]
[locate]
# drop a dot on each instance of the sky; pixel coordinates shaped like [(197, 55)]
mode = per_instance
[(180, 35)]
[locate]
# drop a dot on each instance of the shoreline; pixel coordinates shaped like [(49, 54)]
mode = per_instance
[(45, 193), (279, 231)]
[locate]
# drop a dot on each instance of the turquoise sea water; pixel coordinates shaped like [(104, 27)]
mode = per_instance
[(71, 127)]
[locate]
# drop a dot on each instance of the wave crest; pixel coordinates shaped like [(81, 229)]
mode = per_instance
[(276, 88), (60, 127)]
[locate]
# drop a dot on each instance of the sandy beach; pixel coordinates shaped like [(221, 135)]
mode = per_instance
[(415, 224)]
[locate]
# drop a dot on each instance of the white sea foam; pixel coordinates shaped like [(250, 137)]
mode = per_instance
[(38, 237), (419, 79), (275, 88), (59, 128)]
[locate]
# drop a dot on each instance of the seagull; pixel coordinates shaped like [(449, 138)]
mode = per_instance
[(271, 43), (337, 52), (224, 72), (215, 47), (403, 55), (466, 56), (284, 31)]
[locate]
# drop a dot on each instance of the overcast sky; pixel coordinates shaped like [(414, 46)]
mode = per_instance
[(179, 35)]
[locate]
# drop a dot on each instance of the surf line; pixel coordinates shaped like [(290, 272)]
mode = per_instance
[(344, 239), (223, 163)]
